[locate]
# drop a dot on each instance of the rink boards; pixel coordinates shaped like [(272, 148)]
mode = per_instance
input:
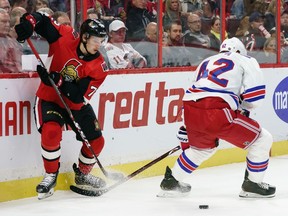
[(139, 114)]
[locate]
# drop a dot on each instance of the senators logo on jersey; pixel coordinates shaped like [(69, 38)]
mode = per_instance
[(69, 72)]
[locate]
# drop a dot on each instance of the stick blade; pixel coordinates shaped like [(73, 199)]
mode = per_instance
[(86, 192)]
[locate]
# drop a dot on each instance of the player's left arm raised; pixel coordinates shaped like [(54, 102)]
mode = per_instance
[(40, 23)]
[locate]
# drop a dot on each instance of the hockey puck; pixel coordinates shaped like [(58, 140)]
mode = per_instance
[(203, 206)]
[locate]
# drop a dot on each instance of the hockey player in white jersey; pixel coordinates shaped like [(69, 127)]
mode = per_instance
[(216, 106)]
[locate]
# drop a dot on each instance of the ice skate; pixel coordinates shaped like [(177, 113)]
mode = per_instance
[(256, 190), (87, 181), (46, 187), (170, 187)]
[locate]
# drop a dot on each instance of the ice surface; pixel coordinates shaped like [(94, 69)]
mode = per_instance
[(217, 187)]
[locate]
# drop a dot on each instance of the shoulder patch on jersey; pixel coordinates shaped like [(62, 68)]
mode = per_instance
[(104, 66)]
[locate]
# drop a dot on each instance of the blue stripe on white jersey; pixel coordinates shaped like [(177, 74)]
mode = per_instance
[(254, 94), (195, 89)]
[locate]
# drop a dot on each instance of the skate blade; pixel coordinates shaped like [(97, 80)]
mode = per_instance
[(171, 194), (244, 194), (42, 196)]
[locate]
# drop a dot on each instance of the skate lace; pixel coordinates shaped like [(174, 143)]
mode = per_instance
[(263, 185), (48, 179)]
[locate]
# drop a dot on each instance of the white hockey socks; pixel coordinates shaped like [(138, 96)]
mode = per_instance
[(258, 156), (189, 161)]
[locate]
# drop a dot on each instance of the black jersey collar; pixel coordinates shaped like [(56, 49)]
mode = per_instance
[(88, 57)]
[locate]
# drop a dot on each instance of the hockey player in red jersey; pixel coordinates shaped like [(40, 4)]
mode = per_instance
[(225, 86), (78, 69)]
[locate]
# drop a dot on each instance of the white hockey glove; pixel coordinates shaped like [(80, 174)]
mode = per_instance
[(182, 135)]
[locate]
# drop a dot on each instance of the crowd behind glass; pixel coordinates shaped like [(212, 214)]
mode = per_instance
[(191, 29)]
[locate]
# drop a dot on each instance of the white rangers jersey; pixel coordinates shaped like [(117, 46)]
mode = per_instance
[(121, 57), (234, 77)]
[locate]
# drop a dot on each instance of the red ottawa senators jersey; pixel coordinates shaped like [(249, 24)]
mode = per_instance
[(64, 59)]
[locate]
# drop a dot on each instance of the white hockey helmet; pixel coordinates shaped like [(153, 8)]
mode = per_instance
[(233, 45)]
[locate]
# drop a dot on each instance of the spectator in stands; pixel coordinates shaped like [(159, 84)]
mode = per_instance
[(120, 54), (270, 15), (251, 6), (31, 5), (257, 33), (138, 18), (61, 17), (115, 8), (5, 23), (284, 54), (174, 34), (19, 10), (148, 47), (15, 15), (152, 6), (270, 46), (188, 7), (284, 44), (107, 19), (283, 40), (201, 7), (237, 9), (243, 28), (92, 14), (284, 23), (194, 36), (5, 4), (269, 52), (208, 8), (42, 4), (151, 32), (285, 5), (58, 5), (11, 51), (173, 13), (215, 33), (175, 53)]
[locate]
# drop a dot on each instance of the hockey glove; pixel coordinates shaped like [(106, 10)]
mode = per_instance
[(182, 135), (245, 112), (72, 91), (44, 76), (26, 27), (183, 138)]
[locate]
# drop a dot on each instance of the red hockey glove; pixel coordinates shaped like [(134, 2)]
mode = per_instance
[(26, 27), (43, 74)]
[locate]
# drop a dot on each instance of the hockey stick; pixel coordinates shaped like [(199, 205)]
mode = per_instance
[(114, 176), (99, 192)]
